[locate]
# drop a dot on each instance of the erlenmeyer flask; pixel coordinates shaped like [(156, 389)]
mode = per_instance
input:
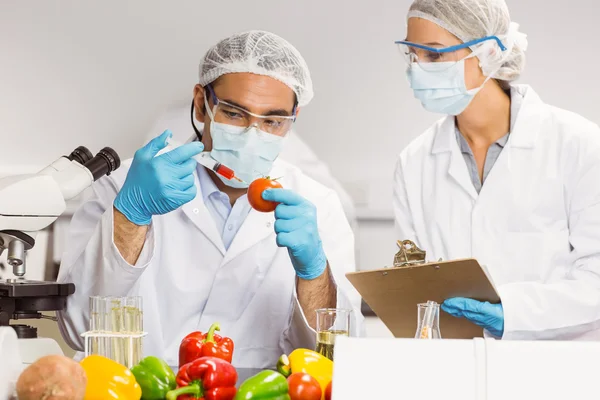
[(428, 324)]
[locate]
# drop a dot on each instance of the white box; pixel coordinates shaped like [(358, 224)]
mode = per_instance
[(478, 369)]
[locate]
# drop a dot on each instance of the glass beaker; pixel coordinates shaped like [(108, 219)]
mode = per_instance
[(331, 323), (428, 324)]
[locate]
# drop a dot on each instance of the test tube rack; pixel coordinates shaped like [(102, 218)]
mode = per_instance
[(89, 337)]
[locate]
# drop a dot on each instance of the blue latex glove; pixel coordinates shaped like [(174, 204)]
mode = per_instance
[(158, 185), (296, 228), (488, 316)]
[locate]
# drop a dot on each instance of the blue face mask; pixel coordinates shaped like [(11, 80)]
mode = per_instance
[(441, 88), (250, 152)]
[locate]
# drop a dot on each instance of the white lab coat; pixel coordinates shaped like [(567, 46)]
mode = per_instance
[(189, 281), (295, 151), (535, 223)]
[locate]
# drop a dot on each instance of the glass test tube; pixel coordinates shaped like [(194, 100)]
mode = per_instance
[(133, 325), (114, 324), (96, 324)]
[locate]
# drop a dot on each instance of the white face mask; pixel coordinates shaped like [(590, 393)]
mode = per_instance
[(442, 88), (250, 152)]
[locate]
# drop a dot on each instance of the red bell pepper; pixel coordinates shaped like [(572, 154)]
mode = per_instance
[(197, 344), (207, 378)]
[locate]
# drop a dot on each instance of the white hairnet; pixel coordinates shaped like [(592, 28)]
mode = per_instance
[(474, 19), (261, 53)]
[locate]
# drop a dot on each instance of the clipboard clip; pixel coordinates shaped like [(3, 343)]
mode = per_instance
[(409, 254)]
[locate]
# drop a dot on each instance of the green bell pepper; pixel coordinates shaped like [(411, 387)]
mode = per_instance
[(268, 385), (155, 378)]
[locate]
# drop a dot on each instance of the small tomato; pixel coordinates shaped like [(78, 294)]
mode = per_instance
[(302, 386), (255, 191), (328, 391)]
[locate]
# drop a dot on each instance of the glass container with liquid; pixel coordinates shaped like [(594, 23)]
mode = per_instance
[(132, 325), (96, 323), (331, 323)]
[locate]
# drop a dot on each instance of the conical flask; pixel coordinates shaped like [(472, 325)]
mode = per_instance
[(428, 324)]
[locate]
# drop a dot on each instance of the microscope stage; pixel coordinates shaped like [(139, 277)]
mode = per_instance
[(25, 288)]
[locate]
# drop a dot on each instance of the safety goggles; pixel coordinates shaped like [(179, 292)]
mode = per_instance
[(428, 56), (231, 114)]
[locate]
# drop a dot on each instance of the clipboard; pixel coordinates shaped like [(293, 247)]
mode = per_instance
[(393, 293)]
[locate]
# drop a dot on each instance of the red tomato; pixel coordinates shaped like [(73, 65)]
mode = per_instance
[(255, 191), (304, 387), (328, 391)]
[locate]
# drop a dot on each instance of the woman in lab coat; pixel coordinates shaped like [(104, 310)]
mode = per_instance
[(503, 178), (187, 241)]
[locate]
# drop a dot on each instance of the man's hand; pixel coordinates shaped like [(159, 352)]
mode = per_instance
[(488, 316), (158, 185), (296, 228)]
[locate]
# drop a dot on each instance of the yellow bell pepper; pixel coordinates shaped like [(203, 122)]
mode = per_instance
[(108, 380), (309, 362)]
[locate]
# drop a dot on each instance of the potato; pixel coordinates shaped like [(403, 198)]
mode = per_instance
[(52, 378)]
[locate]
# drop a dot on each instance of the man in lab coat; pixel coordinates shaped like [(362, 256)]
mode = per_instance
[(165, 228), (294, 151)]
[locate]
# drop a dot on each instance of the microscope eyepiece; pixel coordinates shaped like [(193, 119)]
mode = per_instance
[(81, 155), (106, 161)]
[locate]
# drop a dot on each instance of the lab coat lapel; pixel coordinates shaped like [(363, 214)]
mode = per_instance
[(255, 228), (445, 142), (197, 212), (257, 225), (514, 161), (529, 120)]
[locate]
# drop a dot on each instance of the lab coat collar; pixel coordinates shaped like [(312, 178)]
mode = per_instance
[(525, 131), (529, 120), (444, 133), (255, 227)]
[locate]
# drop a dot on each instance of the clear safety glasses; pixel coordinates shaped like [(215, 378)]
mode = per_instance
[(231, 114), (429, 57)]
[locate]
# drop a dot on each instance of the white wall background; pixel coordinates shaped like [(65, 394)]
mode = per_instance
[(96, 73)]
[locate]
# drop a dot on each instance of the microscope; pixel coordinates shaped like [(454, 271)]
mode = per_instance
[(28, 204)]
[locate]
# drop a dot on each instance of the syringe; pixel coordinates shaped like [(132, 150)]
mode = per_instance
[(206, 160)]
